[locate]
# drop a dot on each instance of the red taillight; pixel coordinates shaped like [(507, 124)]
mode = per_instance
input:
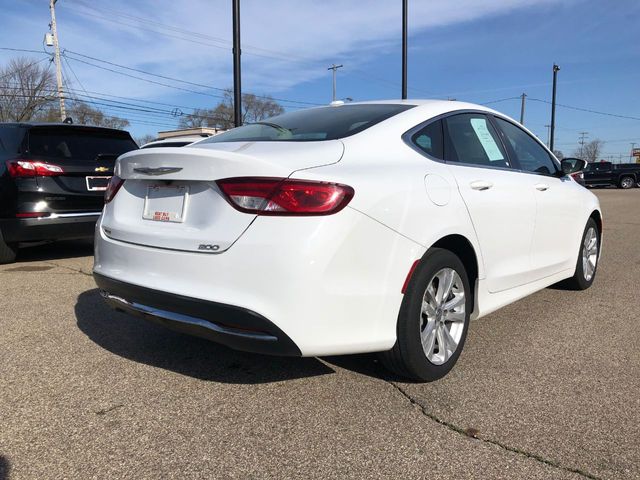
[(284, 196), (32, 168), (112, 188), (32, 215)]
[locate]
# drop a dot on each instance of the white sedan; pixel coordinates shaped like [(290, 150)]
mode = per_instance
[(367, 227)]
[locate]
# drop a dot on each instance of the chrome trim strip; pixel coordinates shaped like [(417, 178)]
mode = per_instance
[(73, 215), (145, 310)]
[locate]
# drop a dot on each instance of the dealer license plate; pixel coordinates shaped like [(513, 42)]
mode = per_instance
[(166, 203)]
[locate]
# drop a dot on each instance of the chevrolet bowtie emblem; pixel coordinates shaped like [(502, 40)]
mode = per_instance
[(102, 169)]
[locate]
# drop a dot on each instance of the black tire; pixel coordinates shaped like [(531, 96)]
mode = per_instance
[(579, 281), (8, 252), (627, 182), (407, 357)]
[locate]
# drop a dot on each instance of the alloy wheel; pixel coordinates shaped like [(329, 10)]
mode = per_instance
[(442, 316), (589, 254)]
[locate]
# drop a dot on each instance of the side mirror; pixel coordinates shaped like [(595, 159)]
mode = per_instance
[(572, 165)]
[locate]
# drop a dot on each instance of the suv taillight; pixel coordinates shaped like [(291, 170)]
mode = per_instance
[(32, 168), (284, 196), (112, 188)]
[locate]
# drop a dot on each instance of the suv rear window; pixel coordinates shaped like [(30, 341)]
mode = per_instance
[(77, 143), (322, 123)]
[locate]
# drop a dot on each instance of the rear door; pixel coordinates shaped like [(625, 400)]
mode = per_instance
[(499, 199), (87, 157)]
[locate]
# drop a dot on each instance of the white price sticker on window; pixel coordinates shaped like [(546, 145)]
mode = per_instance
[(484, 135)]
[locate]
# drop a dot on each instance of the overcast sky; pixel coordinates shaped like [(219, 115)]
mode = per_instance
[(475, 50)]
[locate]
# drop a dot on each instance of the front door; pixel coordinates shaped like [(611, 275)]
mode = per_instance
[(555, 243)]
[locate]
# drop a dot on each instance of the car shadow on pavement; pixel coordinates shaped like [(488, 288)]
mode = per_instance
[(140, 341), (5, 466), (56, 251)]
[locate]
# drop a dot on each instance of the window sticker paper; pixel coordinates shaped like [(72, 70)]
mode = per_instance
[(488, 143)]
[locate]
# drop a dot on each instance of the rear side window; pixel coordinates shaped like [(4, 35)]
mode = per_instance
[(323, 123), (10, 138), (78, 143), (430, 140), (531, 156), (471, 139)]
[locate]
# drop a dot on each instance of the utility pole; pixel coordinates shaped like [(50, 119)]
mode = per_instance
[(404, 48), (548, 130), (334, 67), (237, 87), (56, 46), (583, 136), (553, 106), (523, 96), (633, 144)]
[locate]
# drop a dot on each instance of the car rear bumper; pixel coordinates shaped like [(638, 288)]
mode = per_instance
[(229, 325), (55, 227), (314, 278)]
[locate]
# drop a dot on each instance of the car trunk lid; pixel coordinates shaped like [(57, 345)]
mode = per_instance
[(170, 198)]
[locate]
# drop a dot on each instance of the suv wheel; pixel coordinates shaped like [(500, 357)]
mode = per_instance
[(627, 182), (433, 319), (7, 251)]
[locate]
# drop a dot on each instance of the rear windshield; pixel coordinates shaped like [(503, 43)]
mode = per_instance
[(166, 144), (323, 123), (78, 144)]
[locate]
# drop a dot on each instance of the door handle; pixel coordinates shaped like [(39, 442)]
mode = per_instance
[(542, 186), (481, 185)]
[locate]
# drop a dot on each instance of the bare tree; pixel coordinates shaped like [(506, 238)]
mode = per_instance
[(590, 151), (201, 117), (26, 89), (85, 114), (559, 155), (145, 139), (254, 109)]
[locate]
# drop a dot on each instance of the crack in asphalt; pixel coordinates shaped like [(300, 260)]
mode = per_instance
[(473, 433), (110, 409), (75, 270)]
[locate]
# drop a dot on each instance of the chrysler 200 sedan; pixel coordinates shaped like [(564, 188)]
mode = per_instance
[(370, 227)]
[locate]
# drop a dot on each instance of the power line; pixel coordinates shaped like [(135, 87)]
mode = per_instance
[(25, 67), (24, 50), (628, 117), (173, 79), (500, 100)]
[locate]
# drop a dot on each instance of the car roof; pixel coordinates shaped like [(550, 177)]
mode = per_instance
[(61, 124), (428, 104)]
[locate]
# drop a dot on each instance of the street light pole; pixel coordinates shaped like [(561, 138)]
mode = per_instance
[(334, 67), (523, 96), (404, 49), (237, 87), (553, 107)]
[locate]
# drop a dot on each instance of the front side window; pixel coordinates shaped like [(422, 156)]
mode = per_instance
[(430, 140), (322, 123), (471, 139), (531, 156)]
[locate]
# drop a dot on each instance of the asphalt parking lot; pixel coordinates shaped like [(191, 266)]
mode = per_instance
[(546, 388)]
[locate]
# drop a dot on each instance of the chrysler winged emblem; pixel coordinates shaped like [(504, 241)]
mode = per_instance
[(157, 171)]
